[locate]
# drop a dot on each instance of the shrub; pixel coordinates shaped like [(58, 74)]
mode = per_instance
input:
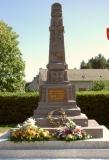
[(17, 107), (100, 85), (95, 105)]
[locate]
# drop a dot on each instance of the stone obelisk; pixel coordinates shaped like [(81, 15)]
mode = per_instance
[(57, 80), (56, 50), (57, 92)]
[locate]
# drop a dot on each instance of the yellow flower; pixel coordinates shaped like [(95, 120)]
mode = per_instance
[(69, 136), (45, 134), (30, 132)]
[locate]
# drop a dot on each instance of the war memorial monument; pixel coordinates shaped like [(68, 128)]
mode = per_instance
[(57, 103), (57, 95)]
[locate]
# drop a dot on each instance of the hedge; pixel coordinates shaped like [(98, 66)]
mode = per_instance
[(95, 105), (17, 107)]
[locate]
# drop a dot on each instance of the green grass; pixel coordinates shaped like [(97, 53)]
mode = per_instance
[(6, 127)]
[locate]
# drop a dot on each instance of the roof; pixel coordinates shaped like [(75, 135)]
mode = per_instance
[(81, 74)]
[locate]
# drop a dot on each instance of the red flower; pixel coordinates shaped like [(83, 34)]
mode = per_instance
[(67, 131), (82, 132), (18, 132), (76, 130)]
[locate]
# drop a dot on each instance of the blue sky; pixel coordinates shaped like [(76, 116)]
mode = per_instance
[(85, 23)]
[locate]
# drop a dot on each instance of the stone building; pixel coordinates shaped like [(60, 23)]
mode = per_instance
[(82, 78)]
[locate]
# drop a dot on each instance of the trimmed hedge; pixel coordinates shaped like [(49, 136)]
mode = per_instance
[(95, 105), (17, 107)]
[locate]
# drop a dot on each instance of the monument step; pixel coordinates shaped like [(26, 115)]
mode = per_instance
[(69, 112), (56, 106), (42, 120), (91, 148), (93, 128), (69, 103), (39, 154)]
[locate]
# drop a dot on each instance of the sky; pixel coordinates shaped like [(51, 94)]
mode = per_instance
[(85, 23)]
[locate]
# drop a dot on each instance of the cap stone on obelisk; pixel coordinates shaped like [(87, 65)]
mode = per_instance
[(58, 92)]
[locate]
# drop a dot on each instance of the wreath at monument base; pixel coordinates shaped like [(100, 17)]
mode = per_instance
[(28, 131), (61, 121)]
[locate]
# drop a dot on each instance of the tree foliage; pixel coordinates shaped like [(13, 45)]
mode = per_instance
[(100, 85), (99, 62), (29, 89), (11, 63)]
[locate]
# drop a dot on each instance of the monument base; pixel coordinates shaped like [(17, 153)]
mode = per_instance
[(93, 128), (91, 148), (73, 113)]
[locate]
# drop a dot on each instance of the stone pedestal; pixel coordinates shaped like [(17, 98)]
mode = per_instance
[(57, 92)]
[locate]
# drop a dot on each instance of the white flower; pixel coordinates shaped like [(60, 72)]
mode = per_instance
[(69, 136), (62, 128), (29, 121), (79, 127), (70, 123), (18, 126), (80, 136)]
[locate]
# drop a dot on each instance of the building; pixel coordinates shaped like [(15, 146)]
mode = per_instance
[(82, 78)]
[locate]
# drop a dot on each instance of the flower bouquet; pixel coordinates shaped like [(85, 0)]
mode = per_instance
[(71, 132), (29, 132)]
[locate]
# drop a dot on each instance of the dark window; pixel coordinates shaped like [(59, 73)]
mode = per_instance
[(82, 89)]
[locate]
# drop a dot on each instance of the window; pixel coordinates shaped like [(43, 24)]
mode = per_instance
[(82, 89)]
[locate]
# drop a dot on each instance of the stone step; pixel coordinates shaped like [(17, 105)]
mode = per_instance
[(91, 148), (76, 154), (56, 107), (93, 128), (69, 103), (42, 121), (69, 112)]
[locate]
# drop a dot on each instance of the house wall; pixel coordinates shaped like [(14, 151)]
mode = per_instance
[(34, 84), (82, 85)]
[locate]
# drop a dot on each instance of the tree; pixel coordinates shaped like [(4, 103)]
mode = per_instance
[(100, 85), (29, 89), (11, 63), (99, 62)]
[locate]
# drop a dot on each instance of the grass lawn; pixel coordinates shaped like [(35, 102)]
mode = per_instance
[(5, 128)]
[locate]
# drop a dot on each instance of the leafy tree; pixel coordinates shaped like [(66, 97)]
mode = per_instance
[(11, 64), (100, 85), (99, 62), (28, 89)]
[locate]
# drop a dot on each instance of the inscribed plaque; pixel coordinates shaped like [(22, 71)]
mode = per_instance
[(56, 95)]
